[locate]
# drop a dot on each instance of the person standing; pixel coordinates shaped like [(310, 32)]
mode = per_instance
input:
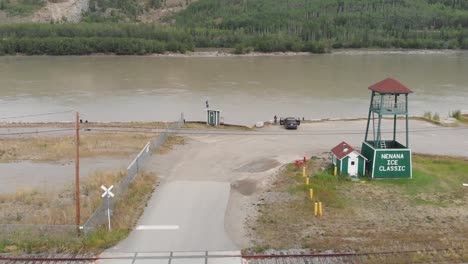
[(276, 119)]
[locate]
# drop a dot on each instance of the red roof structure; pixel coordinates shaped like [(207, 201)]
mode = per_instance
[(390, 86), (342, 150)]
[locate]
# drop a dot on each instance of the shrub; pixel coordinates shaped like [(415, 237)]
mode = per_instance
[(456, 114), (428, 115)]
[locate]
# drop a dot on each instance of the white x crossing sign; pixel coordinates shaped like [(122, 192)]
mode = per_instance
[(107, 191), (109, 194)]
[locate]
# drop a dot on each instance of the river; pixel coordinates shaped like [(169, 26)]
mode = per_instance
[(246, 89)]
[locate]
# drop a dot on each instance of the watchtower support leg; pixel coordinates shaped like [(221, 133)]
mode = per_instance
[(394, 119), (406, 105), (368, 117)]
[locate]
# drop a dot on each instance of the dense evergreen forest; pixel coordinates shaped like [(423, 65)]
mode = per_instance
[(250, 25), (430, 24)]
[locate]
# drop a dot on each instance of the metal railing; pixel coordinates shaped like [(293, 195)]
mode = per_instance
[(100, 215), (388, 106)]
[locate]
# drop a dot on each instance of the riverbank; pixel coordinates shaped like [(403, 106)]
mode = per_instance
[(229, 52), (199, 52)]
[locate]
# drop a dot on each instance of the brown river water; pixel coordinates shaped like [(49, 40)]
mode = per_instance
[(246, 89)]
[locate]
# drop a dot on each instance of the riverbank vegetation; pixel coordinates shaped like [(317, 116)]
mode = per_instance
[(368, 215), (261, 25), (434, 118), (85, 38)]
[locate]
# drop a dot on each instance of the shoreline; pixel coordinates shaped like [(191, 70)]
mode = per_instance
[(227, 52), (162, 124)]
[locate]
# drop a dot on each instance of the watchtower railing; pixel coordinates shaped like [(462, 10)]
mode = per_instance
[(388, 106)]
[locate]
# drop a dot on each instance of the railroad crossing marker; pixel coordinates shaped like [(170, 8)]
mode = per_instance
[(107, 193)]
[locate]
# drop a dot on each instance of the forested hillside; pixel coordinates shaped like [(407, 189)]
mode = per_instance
[(127, 26), (339, 23)]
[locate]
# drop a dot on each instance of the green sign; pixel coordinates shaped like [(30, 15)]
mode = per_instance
[(392, 163)]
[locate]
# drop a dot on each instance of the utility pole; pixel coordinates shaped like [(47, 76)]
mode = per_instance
[(77, 172)]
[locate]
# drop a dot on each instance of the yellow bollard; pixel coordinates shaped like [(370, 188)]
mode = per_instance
[(303, 171), (311, 193), (307, 181), (335, 171), (320, 212), (315, 209)]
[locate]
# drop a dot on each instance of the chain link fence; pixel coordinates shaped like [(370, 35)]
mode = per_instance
[(100, 215)]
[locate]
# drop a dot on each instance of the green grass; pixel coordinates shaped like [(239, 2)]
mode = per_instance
[(436, 180), (324, 184), (367, 216)]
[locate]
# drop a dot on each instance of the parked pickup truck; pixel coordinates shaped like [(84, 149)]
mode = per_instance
[(290, 122)]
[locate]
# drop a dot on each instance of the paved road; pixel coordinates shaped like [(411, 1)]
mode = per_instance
[(186, 213), (196, 192)]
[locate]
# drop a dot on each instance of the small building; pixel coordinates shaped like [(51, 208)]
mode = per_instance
[(213, 117), (347, 160)]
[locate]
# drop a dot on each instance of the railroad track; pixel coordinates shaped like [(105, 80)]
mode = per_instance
[(39, 259), (278, 257)]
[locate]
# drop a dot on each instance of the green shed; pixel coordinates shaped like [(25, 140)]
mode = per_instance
[(213, 117), (348, 161)]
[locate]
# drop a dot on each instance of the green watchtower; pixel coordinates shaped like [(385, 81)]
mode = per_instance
[(387, 158)]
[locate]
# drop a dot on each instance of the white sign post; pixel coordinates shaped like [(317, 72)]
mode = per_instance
[(108, 194), (465, 184)]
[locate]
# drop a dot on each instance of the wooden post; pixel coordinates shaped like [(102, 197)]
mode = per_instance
[(315, 209), (320, 212), (311, 193), (307, 181), (304, 171), (77, 172)]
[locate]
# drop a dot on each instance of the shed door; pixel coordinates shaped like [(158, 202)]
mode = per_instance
[(353, 166), (212, 118)]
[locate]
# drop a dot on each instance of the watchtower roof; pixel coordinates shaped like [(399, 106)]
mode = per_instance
[(390, 86)]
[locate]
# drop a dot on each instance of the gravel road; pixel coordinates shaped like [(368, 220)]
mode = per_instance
[(209, 184)]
